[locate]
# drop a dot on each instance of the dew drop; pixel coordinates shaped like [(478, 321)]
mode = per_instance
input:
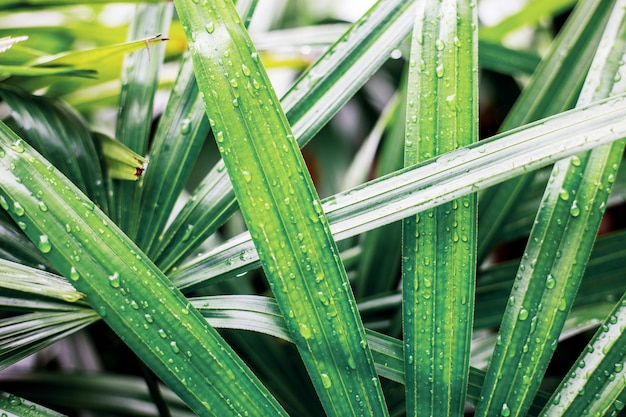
[(188, 232), (245, 70), (574, 210), (185, 127), (523, 314), (439, 44), (148, 318), (210, 27), (174, 347), (439, 70), (505, 411), (44, 244), (18, 209), (564, 195), (319, 276), (550, 282), (102, 311), (3, 203), (246, 176), (162, 333), (43, 207), (451, 102), (18, 146), (74, 274), (326, 382), (114, 280), (575, 161), (305, 331)]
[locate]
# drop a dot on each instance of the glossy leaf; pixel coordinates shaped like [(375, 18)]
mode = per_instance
[(390, 21), (10, 405), (134, 119), (553, 88), (124, 287), (440, 180), (439, 244), (282, 210), (558, 248)]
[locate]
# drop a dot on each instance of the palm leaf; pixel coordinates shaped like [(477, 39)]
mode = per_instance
[(558, 249), (123, 286), (439, 245), (282, 210)]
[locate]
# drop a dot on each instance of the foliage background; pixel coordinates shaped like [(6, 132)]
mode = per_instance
[(92, 369)]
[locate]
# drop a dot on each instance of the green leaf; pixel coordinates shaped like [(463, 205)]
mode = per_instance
[(496, 57), (553, 88), (181, 132), (12, 406), (62, 136), (558, 248), (439, 245), (595, 384), (261, 314), (125, 288), (309, 104), (23, 71), (26, 334), (28, 4), (121, 162), (15, 246), (44, 71), (91, 58), (134, 119), (22, 278), (437, 181), (282, 210), (602, 282)]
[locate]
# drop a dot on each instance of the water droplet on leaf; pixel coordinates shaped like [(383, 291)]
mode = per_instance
[(44, 244)]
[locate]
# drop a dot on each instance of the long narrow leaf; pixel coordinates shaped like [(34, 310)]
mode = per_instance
[(440, 180), (134, 119), (125, 288), (282, 210), (62, 136), (181, 132), (261, 314), (553, 88), (309, 105), (10, 405), (558, 248), (439, 245), (595, 384)]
